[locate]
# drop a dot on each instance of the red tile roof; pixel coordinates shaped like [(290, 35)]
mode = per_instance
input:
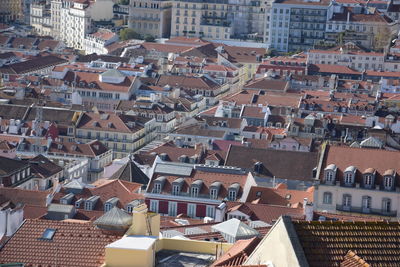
[(73, 244), (238, 253), (17, 195), (279, 196)]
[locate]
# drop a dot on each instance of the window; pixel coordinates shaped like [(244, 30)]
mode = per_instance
[(368, 180), (388, 182), (329, 176), (194, 191), (157, 188), (48, 234), (176, 190), (386, 205), (88, 205), (366, 203), (348, 178), (213, 193), (210, 211), (232, 195), (172, 208), (327, 198), (191, 210), (154, 205), (129, 208), (108, 206), (346, 201)]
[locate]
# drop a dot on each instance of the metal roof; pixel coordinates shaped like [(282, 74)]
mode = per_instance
[(173, 169)]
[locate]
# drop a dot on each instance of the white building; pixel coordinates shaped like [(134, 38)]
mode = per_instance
[(96, 42), (76, 19), (351, 182)]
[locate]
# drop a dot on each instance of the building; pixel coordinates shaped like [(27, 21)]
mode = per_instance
[(195, 192), (95, 43), (11, 10), (123, 134), (40, 19), (221, 20), (77, 19), (151, 17), (352, 183), (16, 173), (297, 24), (327, 243)]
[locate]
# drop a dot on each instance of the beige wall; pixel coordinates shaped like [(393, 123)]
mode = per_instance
[(117, 257), (275, 248)]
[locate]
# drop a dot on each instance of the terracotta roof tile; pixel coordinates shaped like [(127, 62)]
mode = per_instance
[(73, 244)]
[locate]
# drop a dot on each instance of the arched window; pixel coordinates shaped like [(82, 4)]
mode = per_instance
[(327, 198)]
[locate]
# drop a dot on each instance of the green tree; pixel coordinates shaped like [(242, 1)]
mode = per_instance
[(149, 38), (127, 34)]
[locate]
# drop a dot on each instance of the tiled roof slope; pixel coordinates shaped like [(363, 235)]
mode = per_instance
[(73, 244), (292, 165), (238, 253), (352, 260), (327, 243)]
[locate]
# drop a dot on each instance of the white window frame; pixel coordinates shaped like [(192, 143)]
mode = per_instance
[(388, 182), (172, 208), (214, 193), (191, 210), (348, 178), (368, 179), (108, 206), (154, 205), (194, 191), (176, 189), (325, 199), (232, 195), (88, 205), (210, 211), (346, 200), (157, 188)]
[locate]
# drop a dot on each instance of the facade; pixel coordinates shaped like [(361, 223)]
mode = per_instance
[(220, 19), (16, 173), (10, 10), (56, 9), (123, 134), (359, 184), (198, 193), (149, 17), (40, 19), (296, 24), (95, 43)]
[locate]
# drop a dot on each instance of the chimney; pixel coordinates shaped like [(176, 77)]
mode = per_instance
[(308, 210)]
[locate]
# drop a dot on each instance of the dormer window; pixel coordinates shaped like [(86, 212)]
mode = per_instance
[(369, 178), (177, 186), (214, 189), (349, 175), (330, 174), (111, 203), (388, 179), (157, 188), (194, 192), (233, 191)]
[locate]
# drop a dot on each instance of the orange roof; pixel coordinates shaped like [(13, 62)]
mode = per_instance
[(73, 244), (238, 253)]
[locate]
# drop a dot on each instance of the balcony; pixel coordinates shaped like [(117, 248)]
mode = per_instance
[(366, 211)]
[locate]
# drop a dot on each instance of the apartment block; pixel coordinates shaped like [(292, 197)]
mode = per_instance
[(151, 17), (40, 19), (297, 24), (219, 19), (10, 10)]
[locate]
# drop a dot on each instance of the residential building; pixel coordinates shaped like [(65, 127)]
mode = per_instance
[(77, 18), (95, 43), (221, 20), (123, 134), (56, 10), (151, 17), (297, 24), (11, 10), (40, 19), (196, 192), (352, 183), (298, 243), (16, 173), (272, 165), (46, 173)]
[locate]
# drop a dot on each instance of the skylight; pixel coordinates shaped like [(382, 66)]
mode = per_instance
[(48, 234)]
